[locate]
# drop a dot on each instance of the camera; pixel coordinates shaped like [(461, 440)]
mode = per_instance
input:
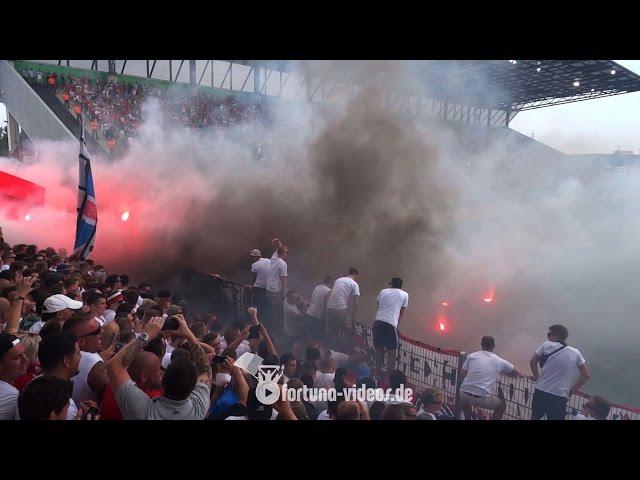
[(219, 359), (170, 323)]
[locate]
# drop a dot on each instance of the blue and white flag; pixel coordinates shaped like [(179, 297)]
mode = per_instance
[(87, 209)]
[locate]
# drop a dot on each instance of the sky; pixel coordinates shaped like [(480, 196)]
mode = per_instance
[(594, 126)]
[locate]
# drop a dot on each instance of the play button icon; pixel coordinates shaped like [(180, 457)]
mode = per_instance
[(267, 393)]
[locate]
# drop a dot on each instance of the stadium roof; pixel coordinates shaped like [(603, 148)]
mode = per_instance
[(510, 84)]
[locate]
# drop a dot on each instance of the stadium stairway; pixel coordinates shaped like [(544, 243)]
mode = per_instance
[(68, 118), (40, 114), (34, 116)]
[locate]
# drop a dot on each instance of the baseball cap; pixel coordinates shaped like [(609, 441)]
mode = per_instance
[(255, 253), (7, 342), (58, 302), (116, 296)]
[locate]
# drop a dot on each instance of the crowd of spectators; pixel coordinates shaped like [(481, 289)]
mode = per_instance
[(113, 109), (79, 342)]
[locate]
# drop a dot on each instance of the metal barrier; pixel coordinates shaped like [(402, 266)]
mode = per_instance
[(428, 366), (424, 366)]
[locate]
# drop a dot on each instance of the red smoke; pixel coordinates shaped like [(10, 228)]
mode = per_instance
[(53, 222)]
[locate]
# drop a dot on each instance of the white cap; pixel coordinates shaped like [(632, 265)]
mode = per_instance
[(58, 302)]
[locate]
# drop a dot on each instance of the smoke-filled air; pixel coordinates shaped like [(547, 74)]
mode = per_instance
[(508, 233)]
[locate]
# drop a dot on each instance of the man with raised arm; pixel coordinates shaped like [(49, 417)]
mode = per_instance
[(186, 383)]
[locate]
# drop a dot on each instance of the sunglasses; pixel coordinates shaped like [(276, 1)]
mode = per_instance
[(91, 334)]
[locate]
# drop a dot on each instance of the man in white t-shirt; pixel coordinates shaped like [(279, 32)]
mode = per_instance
[(318, 306), (97, 303), (260, 268), (564, 371), (13, 364), (324, 379), (345, 291), (392, 302), (479, 374), (277, 288)]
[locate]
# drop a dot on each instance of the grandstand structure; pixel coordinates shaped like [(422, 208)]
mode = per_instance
[(484, 93)]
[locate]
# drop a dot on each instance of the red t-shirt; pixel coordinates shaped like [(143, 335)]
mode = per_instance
[(109, 409), (32, 372)]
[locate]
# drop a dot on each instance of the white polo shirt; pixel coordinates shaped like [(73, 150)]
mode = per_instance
[(560, 372)]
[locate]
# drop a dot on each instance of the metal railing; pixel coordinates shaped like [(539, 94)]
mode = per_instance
[(428, 366)]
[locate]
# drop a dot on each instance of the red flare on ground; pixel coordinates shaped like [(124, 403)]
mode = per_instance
[(441, 323), (488, 298)]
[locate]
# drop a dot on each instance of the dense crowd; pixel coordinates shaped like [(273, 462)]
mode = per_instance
[(79, 342), (113, 112)]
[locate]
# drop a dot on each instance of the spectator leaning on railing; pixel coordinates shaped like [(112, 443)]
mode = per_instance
[(479, 374)]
